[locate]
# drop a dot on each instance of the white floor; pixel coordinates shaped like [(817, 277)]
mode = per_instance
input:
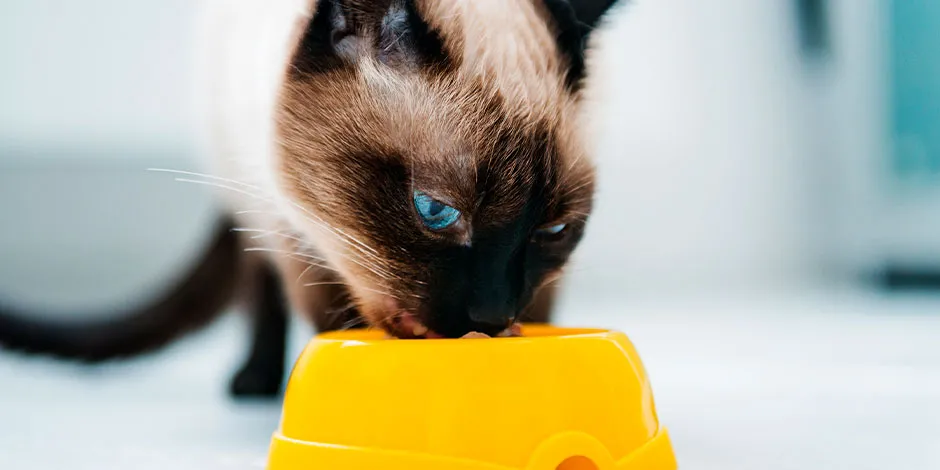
[(834, 383)]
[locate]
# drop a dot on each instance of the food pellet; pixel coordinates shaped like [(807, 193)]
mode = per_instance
[(475, 335), (511, 332)]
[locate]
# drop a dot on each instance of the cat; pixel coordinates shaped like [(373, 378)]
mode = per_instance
[(418, 166)]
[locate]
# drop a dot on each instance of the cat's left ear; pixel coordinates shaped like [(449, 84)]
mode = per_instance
[(575, 20)]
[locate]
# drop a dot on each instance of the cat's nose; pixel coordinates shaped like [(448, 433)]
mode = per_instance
[(490, 316)]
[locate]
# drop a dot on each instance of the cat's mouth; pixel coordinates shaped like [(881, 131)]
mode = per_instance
[(408, 326)]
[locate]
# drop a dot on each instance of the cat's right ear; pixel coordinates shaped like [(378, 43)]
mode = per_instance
[(344, 32), (324, 41), (575, 21), (591, 12)]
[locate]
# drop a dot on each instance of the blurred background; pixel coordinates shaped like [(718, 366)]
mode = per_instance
[(767, 229)]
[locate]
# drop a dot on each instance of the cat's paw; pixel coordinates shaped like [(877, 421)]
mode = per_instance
[(256, 382)]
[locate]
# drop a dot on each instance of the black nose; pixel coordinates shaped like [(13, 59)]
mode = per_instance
[(494, 317)]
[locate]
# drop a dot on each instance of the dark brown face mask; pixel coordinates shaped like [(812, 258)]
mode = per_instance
[(445, 193)]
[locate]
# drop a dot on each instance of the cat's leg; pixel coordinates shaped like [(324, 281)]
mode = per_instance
[(263, 371), (314, 292)]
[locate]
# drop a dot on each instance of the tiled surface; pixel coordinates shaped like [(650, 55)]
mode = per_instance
[(850, 383)]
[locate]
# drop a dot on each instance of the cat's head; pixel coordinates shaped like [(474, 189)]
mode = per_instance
[(434, 151)]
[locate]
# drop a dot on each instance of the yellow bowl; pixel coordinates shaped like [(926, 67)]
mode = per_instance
[(555, 399)]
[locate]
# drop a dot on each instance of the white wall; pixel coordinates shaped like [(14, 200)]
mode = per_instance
[(92, 92), (95, 76), (705, 151), (849, 105)]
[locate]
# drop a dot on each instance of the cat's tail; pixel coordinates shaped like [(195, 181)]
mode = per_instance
[(199, 298)]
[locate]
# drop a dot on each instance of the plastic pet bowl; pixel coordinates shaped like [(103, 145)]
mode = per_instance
[(555, 399)]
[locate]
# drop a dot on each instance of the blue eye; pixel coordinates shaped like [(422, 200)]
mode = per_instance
[(435, 214), (553, 230)]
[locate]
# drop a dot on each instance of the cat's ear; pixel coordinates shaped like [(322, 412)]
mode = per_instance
[(575, 20), (591, 12), (344, 32)]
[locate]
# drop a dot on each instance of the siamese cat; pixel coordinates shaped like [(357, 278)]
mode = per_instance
[(418, 166)]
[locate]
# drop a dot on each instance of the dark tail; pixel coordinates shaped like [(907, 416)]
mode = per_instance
[(199, 298)]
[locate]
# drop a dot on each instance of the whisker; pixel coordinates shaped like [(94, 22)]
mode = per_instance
[(577, 187), (349, 240), (359, 320), (583, 215), (314, 284), (306, 270), (342, 235), (344, 308), (311, 265), (222, 186), (279, 234), (283, 252), (371, 267), (257, 211), (384, 275), (203, 175), (380, 292), (267, 233), (319, 220)]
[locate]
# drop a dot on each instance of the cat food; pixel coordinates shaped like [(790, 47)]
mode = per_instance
[(475, 335), (511, 332)]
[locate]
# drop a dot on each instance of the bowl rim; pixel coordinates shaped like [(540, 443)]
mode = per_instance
[(531, 332)]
